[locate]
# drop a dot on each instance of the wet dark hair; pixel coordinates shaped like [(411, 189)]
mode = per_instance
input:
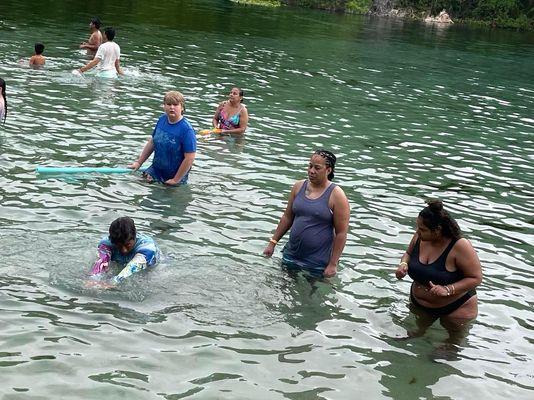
[(110, 33), (39, 48), (3, 93), (121, 231), (96, 22), (330, 160), (434, 217)]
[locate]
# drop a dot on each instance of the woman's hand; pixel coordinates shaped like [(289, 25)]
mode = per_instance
[(330, 271), (402, 270), (438, 290), (269, 250)]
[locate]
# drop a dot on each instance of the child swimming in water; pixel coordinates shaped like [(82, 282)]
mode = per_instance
[(134, 251), (38, 60)]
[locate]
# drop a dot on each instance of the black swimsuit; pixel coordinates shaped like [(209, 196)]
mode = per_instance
[(438, 274)]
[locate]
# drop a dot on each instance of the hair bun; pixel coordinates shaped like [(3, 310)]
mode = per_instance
[(435, 205)]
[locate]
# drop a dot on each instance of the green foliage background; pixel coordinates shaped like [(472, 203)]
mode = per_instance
[(502, 13)]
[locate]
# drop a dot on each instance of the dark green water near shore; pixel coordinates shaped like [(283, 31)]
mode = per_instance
[(412, 112)]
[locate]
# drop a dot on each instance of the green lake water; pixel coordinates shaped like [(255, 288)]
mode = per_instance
[(412, 111)]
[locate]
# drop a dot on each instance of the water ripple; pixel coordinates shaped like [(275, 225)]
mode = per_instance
[(411, 111)]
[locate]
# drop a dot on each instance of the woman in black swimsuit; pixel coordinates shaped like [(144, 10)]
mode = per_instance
[(444, 267)]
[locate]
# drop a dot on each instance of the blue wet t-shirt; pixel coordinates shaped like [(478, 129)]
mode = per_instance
[(171, 142)]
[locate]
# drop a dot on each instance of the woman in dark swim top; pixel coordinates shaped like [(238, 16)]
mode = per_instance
[(231, 115), (443, 265)]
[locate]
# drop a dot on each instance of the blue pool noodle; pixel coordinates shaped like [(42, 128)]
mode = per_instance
[(84, 170)]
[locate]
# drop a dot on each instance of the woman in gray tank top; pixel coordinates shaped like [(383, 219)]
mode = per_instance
[(317, 215)]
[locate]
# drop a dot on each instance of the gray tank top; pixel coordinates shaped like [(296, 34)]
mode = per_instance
[(312, 233)]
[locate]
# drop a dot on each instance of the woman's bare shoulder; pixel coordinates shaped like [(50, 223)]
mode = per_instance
[(463, 245), (298, 184)]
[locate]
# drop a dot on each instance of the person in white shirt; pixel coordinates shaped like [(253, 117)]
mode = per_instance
[(107, 57)]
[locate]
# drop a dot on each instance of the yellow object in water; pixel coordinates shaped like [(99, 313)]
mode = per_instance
[(209, 131)]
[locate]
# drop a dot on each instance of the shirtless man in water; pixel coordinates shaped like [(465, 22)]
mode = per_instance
[(95, 40)]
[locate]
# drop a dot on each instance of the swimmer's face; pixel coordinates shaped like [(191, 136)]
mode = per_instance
[(125, 248), (425, 233), (173, 110), (317, 169), (234, 95)]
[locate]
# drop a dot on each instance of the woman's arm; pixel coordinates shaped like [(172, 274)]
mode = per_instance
[(285, 222), (341, 210), (402, 269), (466, 260), (215, 120)]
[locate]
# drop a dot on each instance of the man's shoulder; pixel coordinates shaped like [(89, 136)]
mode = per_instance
[(109, 45)]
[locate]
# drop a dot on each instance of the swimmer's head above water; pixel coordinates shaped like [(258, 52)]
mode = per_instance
[(437, 221), (109, 33), (174, 98), (122, 234), (95, 22), (330, 161)]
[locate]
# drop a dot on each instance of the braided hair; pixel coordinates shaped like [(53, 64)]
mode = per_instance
[(330, 160), (434, 217)]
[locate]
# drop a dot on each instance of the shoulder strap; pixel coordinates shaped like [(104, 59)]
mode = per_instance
[(302, 189), (330, 189), (447, 250), (415, 250)]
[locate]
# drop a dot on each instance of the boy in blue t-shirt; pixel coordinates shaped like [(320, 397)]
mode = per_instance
[(173, 143), (126, 247)]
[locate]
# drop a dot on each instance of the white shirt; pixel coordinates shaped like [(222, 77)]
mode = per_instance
[(108, 53)]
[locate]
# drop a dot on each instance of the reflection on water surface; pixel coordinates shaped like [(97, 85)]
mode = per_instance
[(411, 111)]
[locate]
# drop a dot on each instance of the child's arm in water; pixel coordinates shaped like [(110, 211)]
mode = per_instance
[(102, 263), (138, 263)]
